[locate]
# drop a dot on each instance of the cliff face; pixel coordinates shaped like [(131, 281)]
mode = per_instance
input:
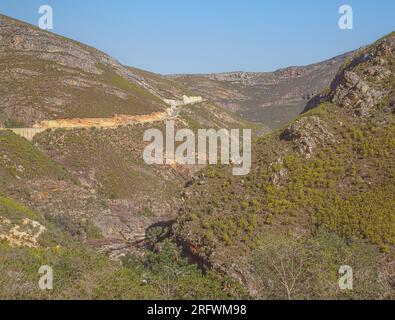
[(359, 91), (329, 175), (273, 98)]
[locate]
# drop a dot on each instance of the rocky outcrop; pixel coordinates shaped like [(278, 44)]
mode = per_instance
[(360, 86), (280, 173), (308, 134), (25, 234), (355, 95)]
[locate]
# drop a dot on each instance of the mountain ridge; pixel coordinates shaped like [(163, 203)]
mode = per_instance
[(272, 98)]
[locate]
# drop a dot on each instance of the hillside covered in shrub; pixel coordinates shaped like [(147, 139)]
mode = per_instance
[(330, 171)]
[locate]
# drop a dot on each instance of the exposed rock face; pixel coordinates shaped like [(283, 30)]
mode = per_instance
[(378, 72), (280, 175), (360, 92), (27, 233), (307, 134), (355, 95)]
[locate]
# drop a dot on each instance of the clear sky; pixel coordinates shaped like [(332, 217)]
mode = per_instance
[(201, 36)]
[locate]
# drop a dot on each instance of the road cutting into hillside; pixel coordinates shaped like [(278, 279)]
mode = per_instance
[(116, 121), (106, 123)]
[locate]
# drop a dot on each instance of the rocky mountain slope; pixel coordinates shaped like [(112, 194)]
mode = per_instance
[(80, 189), (45, 76), (87, 168), (28, 241), (74, 216), (320, 195), (273, 98)]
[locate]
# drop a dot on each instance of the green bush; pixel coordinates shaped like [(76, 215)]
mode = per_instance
[(308, 268)]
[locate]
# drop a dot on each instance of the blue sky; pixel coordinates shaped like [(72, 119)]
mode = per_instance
[(201, 36)]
